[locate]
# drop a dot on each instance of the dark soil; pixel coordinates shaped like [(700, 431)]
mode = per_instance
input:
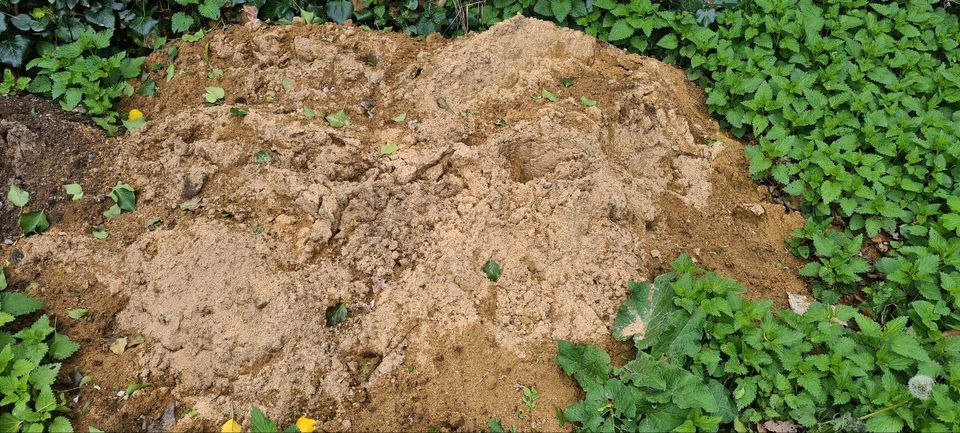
[(43, 148)]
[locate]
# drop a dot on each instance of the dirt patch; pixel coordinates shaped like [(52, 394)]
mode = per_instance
[(572, 201), (43, 148)]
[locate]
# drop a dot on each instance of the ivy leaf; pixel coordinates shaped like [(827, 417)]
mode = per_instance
[(33, 222), (214, 94), (124, 196), (17, 196), (336, 314), (388, 149), (338, 119), (492, 270), (546, 94), (339, 11)]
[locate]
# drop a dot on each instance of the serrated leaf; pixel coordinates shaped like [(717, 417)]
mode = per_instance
[(61, 347), (259, 423), (18, 304), (621, 30), (589, 365)]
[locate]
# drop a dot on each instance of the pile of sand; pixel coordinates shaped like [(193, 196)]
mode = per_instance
[(572, 201)]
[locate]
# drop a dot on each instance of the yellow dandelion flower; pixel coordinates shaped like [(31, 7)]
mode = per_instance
[(230, 426), (306, 425), (135, 115)]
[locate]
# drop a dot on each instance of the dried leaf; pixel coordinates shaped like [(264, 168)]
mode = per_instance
[(119, 345), (798, 303)]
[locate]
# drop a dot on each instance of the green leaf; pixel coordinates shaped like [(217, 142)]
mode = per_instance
[(587, 102), (134, 125), (75, 191), (307, 111), (214, 94), (60, 425), (339, 11), (263, 157), (561, 8), (180, 22), (400, 117), (336, 314), (77, 313), (492, 270), (134, 387), (546, 94), (61, 347), (124, 196), (338, 119), (646, 306), (589, 365), (285, 82), (885, 422), (668, 41), (3, 279), (239, 112), (17, 196), (388, 149), (621, 30), (18, 304), (259, 423), (33, 222)]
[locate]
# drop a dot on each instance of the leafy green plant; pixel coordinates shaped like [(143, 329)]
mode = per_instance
[(34, 222), (124, 199), (709, 359), (77, 76), (29, 363)]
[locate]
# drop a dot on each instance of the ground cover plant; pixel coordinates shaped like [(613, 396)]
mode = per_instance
[(30, 356), (706, 357)]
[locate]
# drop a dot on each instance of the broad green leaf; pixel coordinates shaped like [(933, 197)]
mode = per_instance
[(18, 304), (646, 306), (336, 314), (75, 191), (388, 149), (17, 196), (492, 270), (214, 95), (588, 364), (338, 119), (33, 222), (259, 423)]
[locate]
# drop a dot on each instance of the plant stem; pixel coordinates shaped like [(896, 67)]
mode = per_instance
[(889, 408)]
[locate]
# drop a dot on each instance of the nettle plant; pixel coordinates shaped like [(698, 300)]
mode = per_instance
[(709, 359), (29, 363), (77, 76)]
